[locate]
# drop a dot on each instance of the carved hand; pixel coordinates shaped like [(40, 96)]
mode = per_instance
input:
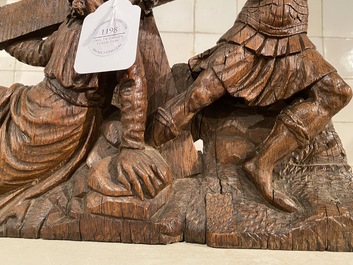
[(141, 172), (144, 172)]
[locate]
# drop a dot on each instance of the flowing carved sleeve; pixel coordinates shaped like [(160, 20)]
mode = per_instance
[(133, 99), (34, 52)]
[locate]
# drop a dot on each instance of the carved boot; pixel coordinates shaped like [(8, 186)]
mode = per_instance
[(296, 126), (170, 119)]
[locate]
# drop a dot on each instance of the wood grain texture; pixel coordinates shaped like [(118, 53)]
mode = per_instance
[(316, 176), (37, 18), (219, 207), (272, 174)]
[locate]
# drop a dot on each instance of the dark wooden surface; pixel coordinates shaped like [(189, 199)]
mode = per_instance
[(260, 95), (36, 18), (220, 206)]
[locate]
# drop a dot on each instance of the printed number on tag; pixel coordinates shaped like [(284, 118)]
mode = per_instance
[(108, 39)]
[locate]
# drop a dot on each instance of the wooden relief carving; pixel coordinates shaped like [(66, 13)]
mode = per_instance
[(110, 156)]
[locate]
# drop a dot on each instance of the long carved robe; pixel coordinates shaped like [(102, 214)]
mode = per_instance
[(67, 110), (266, 56), (47, 129)]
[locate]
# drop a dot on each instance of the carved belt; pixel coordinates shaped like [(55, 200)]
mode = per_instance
[(72, 96)]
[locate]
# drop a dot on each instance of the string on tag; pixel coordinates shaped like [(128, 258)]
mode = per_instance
[(108, 39), (114, 6)]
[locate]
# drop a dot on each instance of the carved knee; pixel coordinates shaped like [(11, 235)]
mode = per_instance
[(333, 93), (206, 90)]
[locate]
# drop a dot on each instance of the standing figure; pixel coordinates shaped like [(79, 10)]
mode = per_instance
[(47, 130), (264, 58)]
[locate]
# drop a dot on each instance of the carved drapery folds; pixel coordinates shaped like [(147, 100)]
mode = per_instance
[(110, 156)]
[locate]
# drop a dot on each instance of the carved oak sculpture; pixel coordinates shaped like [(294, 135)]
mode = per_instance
[(264, 58), (48, 129), (273, 174)]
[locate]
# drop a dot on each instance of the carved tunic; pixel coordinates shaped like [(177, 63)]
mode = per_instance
[(265, 53)]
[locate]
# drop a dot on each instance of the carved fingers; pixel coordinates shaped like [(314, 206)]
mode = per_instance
[(143, 171), (133, 172), (100, 180), (166, 119)]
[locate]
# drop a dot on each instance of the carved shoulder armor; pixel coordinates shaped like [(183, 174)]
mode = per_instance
[(278, 18)]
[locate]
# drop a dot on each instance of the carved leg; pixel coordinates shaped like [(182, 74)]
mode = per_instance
[(259, 169), (295, 127), (170, 120)]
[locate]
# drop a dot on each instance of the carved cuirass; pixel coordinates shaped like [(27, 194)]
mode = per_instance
[(277, 18)]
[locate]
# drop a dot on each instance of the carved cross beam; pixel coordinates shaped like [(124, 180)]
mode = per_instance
[(37, 18), (31, 18)]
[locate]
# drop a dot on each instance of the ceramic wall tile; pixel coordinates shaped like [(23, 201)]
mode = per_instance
[(179, 46), (337, 18), (205, 41), (344, 131), (27, 68), (28, 78), (214, 16), (240, 4), (7, 63), (176, 16), (6, 78), (345, 115), (315, 17), (318, 43), (339, 52)]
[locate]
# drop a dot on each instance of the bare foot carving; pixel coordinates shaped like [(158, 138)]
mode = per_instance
[(261, 177), (133, 172)]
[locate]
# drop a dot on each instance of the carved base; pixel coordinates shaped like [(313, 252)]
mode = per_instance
[(126, 207), (245, 223), (202, 211), (219, 207)]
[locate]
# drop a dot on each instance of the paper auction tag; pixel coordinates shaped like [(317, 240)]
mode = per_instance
[(108, 39)]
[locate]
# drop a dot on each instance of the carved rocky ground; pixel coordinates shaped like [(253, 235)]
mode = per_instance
[(317, 177), (215, 203)]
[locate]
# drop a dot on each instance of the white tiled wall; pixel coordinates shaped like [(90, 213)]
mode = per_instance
[(191, 26)]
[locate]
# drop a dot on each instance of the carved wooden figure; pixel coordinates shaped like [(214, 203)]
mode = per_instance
[(264, 58), (48, 129), (110, 156)]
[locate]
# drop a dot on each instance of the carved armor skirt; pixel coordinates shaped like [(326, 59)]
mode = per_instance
[(262, 80)]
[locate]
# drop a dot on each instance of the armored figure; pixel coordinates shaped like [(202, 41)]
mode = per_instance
[(264, 58)]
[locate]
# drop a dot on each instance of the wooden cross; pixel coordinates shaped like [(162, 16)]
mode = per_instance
[(28, 18), (31, 18)]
